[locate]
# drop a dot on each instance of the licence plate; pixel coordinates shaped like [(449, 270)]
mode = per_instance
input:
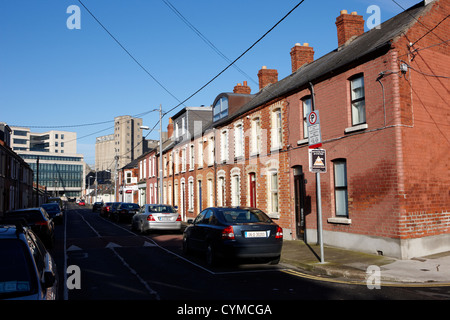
[(255, 234), (165, 219)]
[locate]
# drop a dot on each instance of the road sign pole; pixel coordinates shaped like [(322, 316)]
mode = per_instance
[(319, 217)]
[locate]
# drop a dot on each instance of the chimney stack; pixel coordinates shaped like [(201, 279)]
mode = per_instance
[(301, 55), (170, 129), (267, 76), (244, 89), (349, 26)]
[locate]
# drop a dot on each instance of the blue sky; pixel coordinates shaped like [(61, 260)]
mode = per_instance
[(56, 77)]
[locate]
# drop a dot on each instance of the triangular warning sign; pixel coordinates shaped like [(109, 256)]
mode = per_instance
[(319, 162)]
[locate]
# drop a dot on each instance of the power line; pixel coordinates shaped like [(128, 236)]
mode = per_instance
[(129, 54), (204, 38), (239, 57), (227, 67), (429, 30)]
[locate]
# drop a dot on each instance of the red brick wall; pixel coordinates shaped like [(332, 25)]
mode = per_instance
[(398, 173), (425, 204)]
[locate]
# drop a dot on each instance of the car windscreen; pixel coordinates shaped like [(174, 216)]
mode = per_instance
[(235, 216), (132, 206), (17, 275)]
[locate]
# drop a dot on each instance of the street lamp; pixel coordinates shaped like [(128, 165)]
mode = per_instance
[(160, 153)]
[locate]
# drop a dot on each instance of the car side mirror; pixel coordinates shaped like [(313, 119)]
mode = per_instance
[(190, 221)]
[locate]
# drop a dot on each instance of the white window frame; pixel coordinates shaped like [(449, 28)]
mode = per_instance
[(340, 188), (358, 100), (306, 109), (224, 145), (183, 159), (200, 154), (191, 157), (211, 147), (277, 129), (239, 140), (191, 194), (273, 192), (235, 187), (256, 136)]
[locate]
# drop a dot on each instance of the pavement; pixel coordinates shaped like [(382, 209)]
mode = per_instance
[(352, 265)]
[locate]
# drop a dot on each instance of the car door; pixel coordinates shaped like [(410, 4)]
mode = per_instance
[(194, 231), (204, 231)]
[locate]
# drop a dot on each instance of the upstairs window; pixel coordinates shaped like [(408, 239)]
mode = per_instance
[(358, 100), (307, 108), (224, 146), (239, 140), (277, 130), (256, 136)]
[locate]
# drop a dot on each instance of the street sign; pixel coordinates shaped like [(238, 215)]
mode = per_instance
[(314, 135), (317, 160)]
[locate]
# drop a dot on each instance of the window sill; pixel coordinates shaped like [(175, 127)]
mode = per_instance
[(275, 149), (359, 127), (339, 220), (303, 141), (274, 215)]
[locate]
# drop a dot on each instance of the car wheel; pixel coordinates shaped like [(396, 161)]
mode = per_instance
[(211, 257)]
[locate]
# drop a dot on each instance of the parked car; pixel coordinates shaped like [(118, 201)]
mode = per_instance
[(234, 233), (38, 220), (28, 271), (156, 217), (124, 211), (104, 211), (57, 200), (112, 209), (82, 203), (97, 206), (54, 211)]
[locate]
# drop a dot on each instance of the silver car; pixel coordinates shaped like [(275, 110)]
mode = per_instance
[(156, 217)]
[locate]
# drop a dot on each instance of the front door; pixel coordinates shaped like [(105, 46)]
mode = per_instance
[(299, 191), (252, 178)]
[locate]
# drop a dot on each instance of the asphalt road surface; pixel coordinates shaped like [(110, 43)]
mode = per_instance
[(108, 261)]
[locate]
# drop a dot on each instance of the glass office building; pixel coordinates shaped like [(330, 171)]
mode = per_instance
[(52, 157)]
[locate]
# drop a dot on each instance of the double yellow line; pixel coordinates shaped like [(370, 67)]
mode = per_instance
[(362, 282)]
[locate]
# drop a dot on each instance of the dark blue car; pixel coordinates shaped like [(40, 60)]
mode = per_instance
[(234, 233)]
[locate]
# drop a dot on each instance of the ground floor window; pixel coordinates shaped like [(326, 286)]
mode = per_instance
[(340, 187)]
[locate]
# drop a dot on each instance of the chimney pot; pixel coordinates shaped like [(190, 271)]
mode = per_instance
[(243, 89)]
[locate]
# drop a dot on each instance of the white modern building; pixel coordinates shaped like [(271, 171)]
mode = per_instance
[(52, 156)]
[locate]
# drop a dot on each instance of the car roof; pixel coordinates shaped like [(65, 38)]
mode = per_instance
[(26, 210), (9, 231)]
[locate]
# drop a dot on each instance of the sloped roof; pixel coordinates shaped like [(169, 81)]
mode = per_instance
[(372, 42)]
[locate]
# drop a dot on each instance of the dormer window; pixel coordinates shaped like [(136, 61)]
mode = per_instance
[(220, 109)]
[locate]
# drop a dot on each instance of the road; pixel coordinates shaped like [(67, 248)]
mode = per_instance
[(116, 263)]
